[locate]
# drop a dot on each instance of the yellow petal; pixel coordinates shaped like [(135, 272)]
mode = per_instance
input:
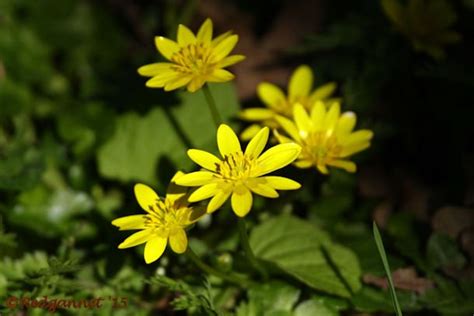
[(204, 192), (281, 183), (264, 190), (130, 222), (258, 143), (323, 92), (179, 241), (318, 114), (204, 159), (177, 83), (282, 139), (277, 157), (241, 201), (303, 164), (270, 94), (332, 117), (154, 69), (346, 123), (216, 202), (323, 169), (205, 32), (227, 141), (250, 132), (349, 166), (196, 84), (166, 46), (355, 148), (162, 79), (220, 38), (223, 49), (231, 60), (302, 120), (175, 192), (185, 36), (360, 136), (145, 196), (256, 114), (136, 239), (289, 127), (301, 82), (197, 178), (220, 75), (154, 248)]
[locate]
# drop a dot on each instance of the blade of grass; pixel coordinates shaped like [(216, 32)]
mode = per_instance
[(383, 256)]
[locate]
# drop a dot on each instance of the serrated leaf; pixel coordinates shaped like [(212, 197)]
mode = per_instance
[(296, 247)]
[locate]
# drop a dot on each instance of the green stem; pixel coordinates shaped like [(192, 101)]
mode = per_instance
[(212, 105), (383, 256), (230, 277), (248, 251)]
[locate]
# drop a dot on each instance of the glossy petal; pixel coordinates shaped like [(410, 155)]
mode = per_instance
[(136, 239), (197, 178), (359, 136), (162, 79), (227, 141), (332, 117), (318, 114), (250, 132), (346, 123), (231, 60), (154, 249), (177, 83), (223, 49), (277, 157), (130, 222), (216, 202), (289, 127), (323, 92), (301, 82), (154, 69), (302, 120), (256, 114), (241, 201), (281, 183), (258, 143), (264, 190), (145, 196), (205, 32), (349, 166), (220, 75), (179, 241), (166, 46), (174, 191), (270, 94), (204, 159), (185, 36), (303, 164), (204, 192)]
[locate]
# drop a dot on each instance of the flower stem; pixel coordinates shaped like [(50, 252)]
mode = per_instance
[(212, 105), (230, 277), (248, 251)]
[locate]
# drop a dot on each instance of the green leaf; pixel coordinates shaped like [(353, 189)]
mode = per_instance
[(139, 143), (315, 307), (296, 247), (274, 298), (443, 251)]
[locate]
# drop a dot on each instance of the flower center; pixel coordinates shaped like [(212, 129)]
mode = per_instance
[(196, 59), (321, 147), (236, 166), (163, 217)]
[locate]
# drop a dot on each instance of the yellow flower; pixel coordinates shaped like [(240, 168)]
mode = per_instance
[(195, 59), (277, 103), (239, 173), (165, 220), (425, 22), (326, 137)]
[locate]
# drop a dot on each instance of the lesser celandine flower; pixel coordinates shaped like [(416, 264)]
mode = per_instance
[(425, 22), (277, 103), (194, 59), (165, 220), (326, 137), (239, 173)]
